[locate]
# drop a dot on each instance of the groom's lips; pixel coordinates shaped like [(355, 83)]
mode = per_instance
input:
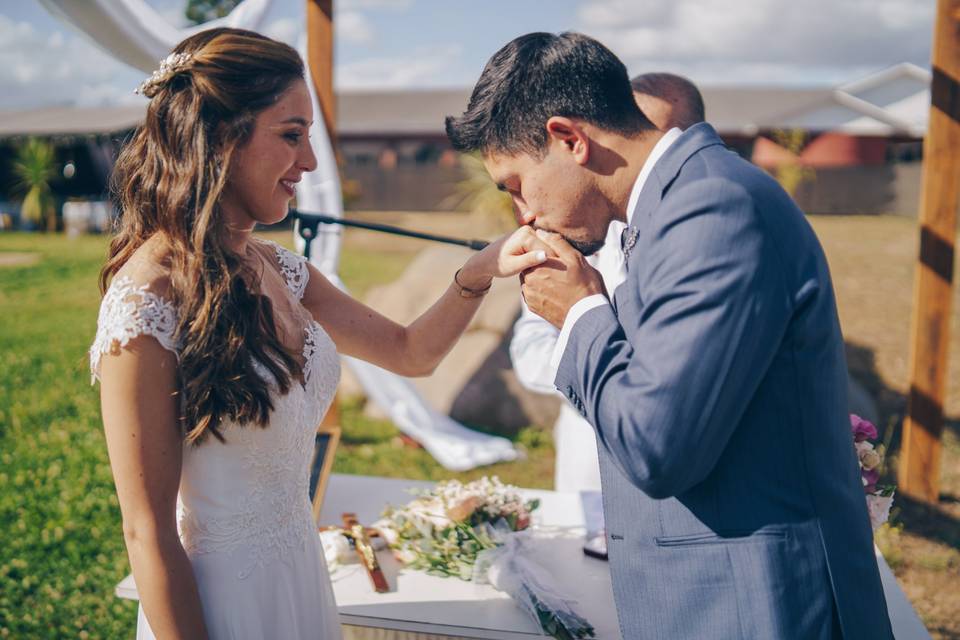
[(288, 186)]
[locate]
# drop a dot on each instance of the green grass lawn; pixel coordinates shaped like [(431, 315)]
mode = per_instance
[(62, 550)]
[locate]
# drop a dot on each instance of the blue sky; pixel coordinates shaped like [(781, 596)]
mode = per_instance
[(442, 43)]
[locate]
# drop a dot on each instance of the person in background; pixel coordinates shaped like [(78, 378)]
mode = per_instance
[(668, 100)]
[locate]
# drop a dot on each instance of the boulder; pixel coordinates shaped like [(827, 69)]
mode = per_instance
[(475, 383)]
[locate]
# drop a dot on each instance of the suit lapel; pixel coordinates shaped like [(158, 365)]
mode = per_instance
[(658, 182), (662, 176)]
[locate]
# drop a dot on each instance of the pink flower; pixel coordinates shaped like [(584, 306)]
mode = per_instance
[(862, 429), (870, 478)]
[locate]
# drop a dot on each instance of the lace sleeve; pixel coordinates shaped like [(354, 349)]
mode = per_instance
[(294, 269), (128, 311)]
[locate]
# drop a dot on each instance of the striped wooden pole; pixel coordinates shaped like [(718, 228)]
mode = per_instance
[(919, 473)]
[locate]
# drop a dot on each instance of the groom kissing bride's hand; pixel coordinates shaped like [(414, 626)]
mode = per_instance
[(551, 288)]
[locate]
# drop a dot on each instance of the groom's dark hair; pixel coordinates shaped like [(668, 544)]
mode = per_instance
[(535, 77)]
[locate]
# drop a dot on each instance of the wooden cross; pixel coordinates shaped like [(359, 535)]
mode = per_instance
[(360, 537)]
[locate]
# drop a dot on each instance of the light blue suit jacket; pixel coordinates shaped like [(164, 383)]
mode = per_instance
[(717, 386)]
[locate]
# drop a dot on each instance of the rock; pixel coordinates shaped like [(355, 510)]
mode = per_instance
[(493, 396), (475, 383), (446, 384), (425, 280)]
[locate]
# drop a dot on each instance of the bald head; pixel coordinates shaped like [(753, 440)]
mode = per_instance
[(668, 100)]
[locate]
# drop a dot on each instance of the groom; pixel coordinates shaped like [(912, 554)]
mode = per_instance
[(715, 376)]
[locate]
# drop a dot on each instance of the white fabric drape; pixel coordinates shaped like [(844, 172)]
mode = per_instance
[(135, 33), (319, 191)]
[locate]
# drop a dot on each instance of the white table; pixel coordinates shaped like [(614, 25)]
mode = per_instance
[(452, 607), (422, 604)]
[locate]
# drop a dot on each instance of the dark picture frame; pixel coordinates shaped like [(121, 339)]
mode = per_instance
[(324, 449)]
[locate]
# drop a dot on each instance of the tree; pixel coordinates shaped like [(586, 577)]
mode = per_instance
[(200, 11), (477, 193), (791, 175), (35, 169)]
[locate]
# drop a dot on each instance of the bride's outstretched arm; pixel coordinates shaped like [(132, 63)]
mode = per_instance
[(417, 349), (144, 443)]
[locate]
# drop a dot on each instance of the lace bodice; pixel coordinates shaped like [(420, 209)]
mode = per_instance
[(249, 493), (128, 311)]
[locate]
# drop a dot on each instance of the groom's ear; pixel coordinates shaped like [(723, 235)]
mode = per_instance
[(571, 136)]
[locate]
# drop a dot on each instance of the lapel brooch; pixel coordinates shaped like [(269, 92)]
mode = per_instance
[(629, 240)]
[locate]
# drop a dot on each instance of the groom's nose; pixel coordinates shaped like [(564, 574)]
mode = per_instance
[(526, 216)]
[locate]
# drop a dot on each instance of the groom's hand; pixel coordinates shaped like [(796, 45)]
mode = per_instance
[(551, 288)]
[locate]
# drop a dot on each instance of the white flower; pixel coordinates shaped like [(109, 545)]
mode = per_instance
[(336, 549), (387, 531), (429, 511), (879, 508), (870, 460), (869, 457), (405, 556)]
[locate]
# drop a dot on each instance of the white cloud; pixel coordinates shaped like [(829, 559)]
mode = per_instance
[(353, 27), (777, 41), (43, 69), (420, 68), (285, 30), (395, 5)]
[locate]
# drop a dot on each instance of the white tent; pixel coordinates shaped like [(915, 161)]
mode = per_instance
[(138, 35)]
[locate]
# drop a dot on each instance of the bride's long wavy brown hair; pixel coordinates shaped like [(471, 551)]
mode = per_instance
[(168, 180)]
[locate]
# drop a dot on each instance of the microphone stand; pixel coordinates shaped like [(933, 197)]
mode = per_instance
[(310, 223)]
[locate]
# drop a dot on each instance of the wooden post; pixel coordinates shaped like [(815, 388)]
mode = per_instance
[(320, 60), (919, 474)]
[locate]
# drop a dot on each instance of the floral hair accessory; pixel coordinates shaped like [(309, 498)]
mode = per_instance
[(169, 67)]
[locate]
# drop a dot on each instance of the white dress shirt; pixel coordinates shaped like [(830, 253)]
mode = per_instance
[(577, 467)]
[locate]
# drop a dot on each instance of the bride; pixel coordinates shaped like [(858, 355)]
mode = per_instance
[(217, 352)]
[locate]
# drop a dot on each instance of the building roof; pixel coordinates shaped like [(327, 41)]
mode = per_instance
[(889, 102), (419, 112), (66, 121), (729, 109), (893, 101)]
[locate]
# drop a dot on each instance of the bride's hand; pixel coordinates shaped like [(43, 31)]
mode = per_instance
[(507, 256)]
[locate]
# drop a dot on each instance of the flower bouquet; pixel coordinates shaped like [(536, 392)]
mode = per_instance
[(870, 457), (508, 568), (473, 532)]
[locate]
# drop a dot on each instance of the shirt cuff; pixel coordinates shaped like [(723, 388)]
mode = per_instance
[(575, 313)]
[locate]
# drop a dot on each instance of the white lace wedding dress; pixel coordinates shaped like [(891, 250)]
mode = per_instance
[(245, 515)]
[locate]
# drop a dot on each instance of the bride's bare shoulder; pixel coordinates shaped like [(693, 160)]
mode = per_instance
[(149, 265)]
